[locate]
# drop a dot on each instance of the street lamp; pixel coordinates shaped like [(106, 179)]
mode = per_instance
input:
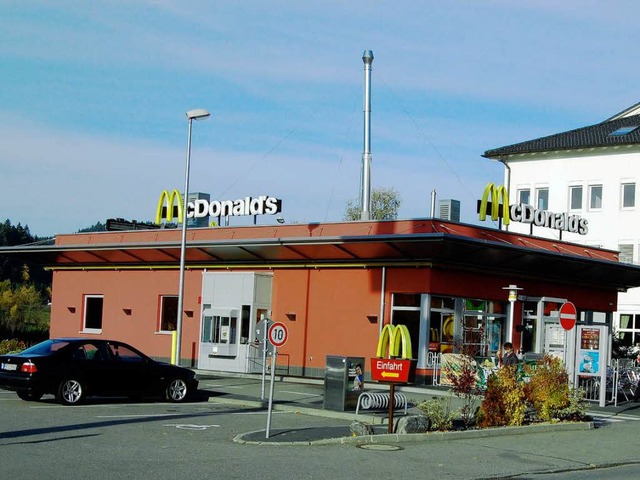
[(197, 114), (513, 296)]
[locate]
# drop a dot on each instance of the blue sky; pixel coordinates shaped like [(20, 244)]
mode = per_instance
[(93, 98)]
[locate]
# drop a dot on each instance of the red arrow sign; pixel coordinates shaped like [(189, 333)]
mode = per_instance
[(390, 369), (568, 315)]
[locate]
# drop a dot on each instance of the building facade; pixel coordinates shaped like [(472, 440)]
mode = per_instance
[(589, 173), (334, 285)]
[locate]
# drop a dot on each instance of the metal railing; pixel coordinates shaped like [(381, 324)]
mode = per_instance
[(623, 379)]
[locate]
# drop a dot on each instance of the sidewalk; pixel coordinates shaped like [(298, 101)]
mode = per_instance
[(306, 396)]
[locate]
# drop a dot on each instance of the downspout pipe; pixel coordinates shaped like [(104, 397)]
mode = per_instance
[(507, 180)]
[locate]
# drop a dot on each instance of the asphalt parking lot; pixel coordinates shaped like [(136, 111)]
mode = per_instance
[(200, 439)]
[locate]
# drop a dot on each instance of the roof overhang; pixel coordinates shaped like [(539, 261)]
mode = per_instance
[(437, 249)]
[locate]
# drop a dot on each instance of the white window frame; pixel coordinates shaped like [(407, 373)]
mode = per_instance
[(160, 313), (520, 192), (572, 189), (592, 198), (539, 190), (85, 309), (623, 186)]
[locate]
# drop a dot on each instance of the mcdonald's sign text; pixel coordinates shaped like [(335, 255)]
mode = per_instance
[(525, 213), (170, 206)]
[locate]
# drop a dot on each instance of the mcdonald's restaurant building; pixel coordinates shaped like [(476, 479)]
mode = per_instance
[(334, 286)]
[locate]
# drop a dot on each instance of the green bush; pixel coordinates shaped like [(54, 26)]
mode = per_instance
[(547, 394), (504, 400), (438, 410), (11, 346)]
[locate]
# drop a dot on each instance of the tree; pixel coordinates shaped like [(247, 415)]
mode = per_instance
[(98, 227), (385, 203), (12, 267)]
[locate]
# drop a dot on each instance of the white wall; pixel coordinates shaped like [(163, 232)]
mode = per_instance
[(609, 226)]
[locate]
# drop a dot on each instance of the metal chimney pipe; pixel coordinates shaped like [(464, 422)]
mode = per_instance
[(367, 58), (433, 203)]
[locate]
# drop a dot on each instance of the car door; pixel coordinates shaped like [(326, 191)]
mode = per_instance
[(130, 370), (100, 377)]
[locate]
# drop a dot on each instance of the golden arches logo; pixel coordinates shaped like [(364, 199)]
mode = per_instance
[(170, 198), (393, 337), (496, 192)]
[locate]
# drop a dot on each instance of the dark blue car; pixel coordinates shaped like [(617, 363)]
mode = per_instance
[(73, 369)]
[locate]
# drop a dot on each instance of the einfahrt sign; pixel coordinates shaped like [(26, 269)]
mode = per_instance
[(568, 315), (390, 369)]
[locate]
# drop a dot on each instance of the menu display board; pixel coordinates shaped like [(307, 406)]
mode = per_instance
[(589, 353)]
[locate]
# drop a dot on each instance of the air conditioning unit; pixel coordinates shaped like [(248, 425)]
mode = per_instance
[(449, 210)]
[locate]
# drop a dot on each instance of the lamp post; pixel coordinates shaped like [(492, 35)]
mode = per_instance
[(513, 296), (197, 114)]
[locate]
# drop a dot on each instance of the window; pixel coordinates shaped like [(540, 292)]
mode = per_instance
[(623, 131), (220, 328), (93, 312), (542, 198), (524, 196), (482, 327), (628, 195), (406, 311), (122, 353), (441, 324), (629, 330), (575, 197), (168, 313), (595, 197), (626, 253)]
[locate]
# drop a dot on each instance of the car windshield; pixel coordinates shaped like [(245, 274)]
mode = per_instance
[(46, 347)]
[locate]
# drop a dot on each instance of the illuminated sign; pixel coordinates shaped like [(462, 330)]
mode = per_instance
[(170, 210), (496, 193), (170, 205), (262, 205), (396, 342), (525, 213), (393, 337)]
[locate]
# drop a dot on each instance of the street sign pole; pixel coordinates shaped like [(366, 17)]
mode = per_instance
[(278, 334), (392, 402), (273, 376), (265, 328)]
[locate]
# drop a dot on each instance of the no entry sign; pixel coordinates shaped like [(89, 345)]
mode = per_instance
[(568, 315)]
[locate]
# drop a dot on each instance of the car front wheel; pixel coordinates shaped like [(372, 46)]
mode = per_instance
[(70, 392), (177, 390)]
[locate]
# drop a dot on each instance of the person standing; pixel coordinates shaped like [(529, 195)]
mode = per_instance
[(509, 357)]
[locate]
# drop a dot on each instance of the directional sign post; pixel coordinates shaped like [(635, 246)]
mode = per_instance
[(278, 334), (568, 315), (395, 340)]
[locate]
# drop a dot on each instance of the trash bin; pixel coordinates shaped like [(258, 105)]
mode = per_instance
[(339, 375)]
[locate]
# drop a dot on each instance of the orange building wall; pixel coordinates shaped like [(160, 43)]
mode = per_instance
[(336, 310), (332, 308), (130, 310)]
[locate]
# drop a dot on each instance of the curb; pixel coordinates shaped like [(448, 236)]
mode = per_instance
[(395, 438), (391, 437)]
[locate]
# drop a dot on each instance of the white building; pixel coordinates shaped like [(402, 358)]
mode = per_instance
[(589, 173)]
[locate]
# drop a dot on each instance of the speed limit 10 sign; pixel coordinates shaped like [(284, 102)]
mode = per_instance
[(278, 334)]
